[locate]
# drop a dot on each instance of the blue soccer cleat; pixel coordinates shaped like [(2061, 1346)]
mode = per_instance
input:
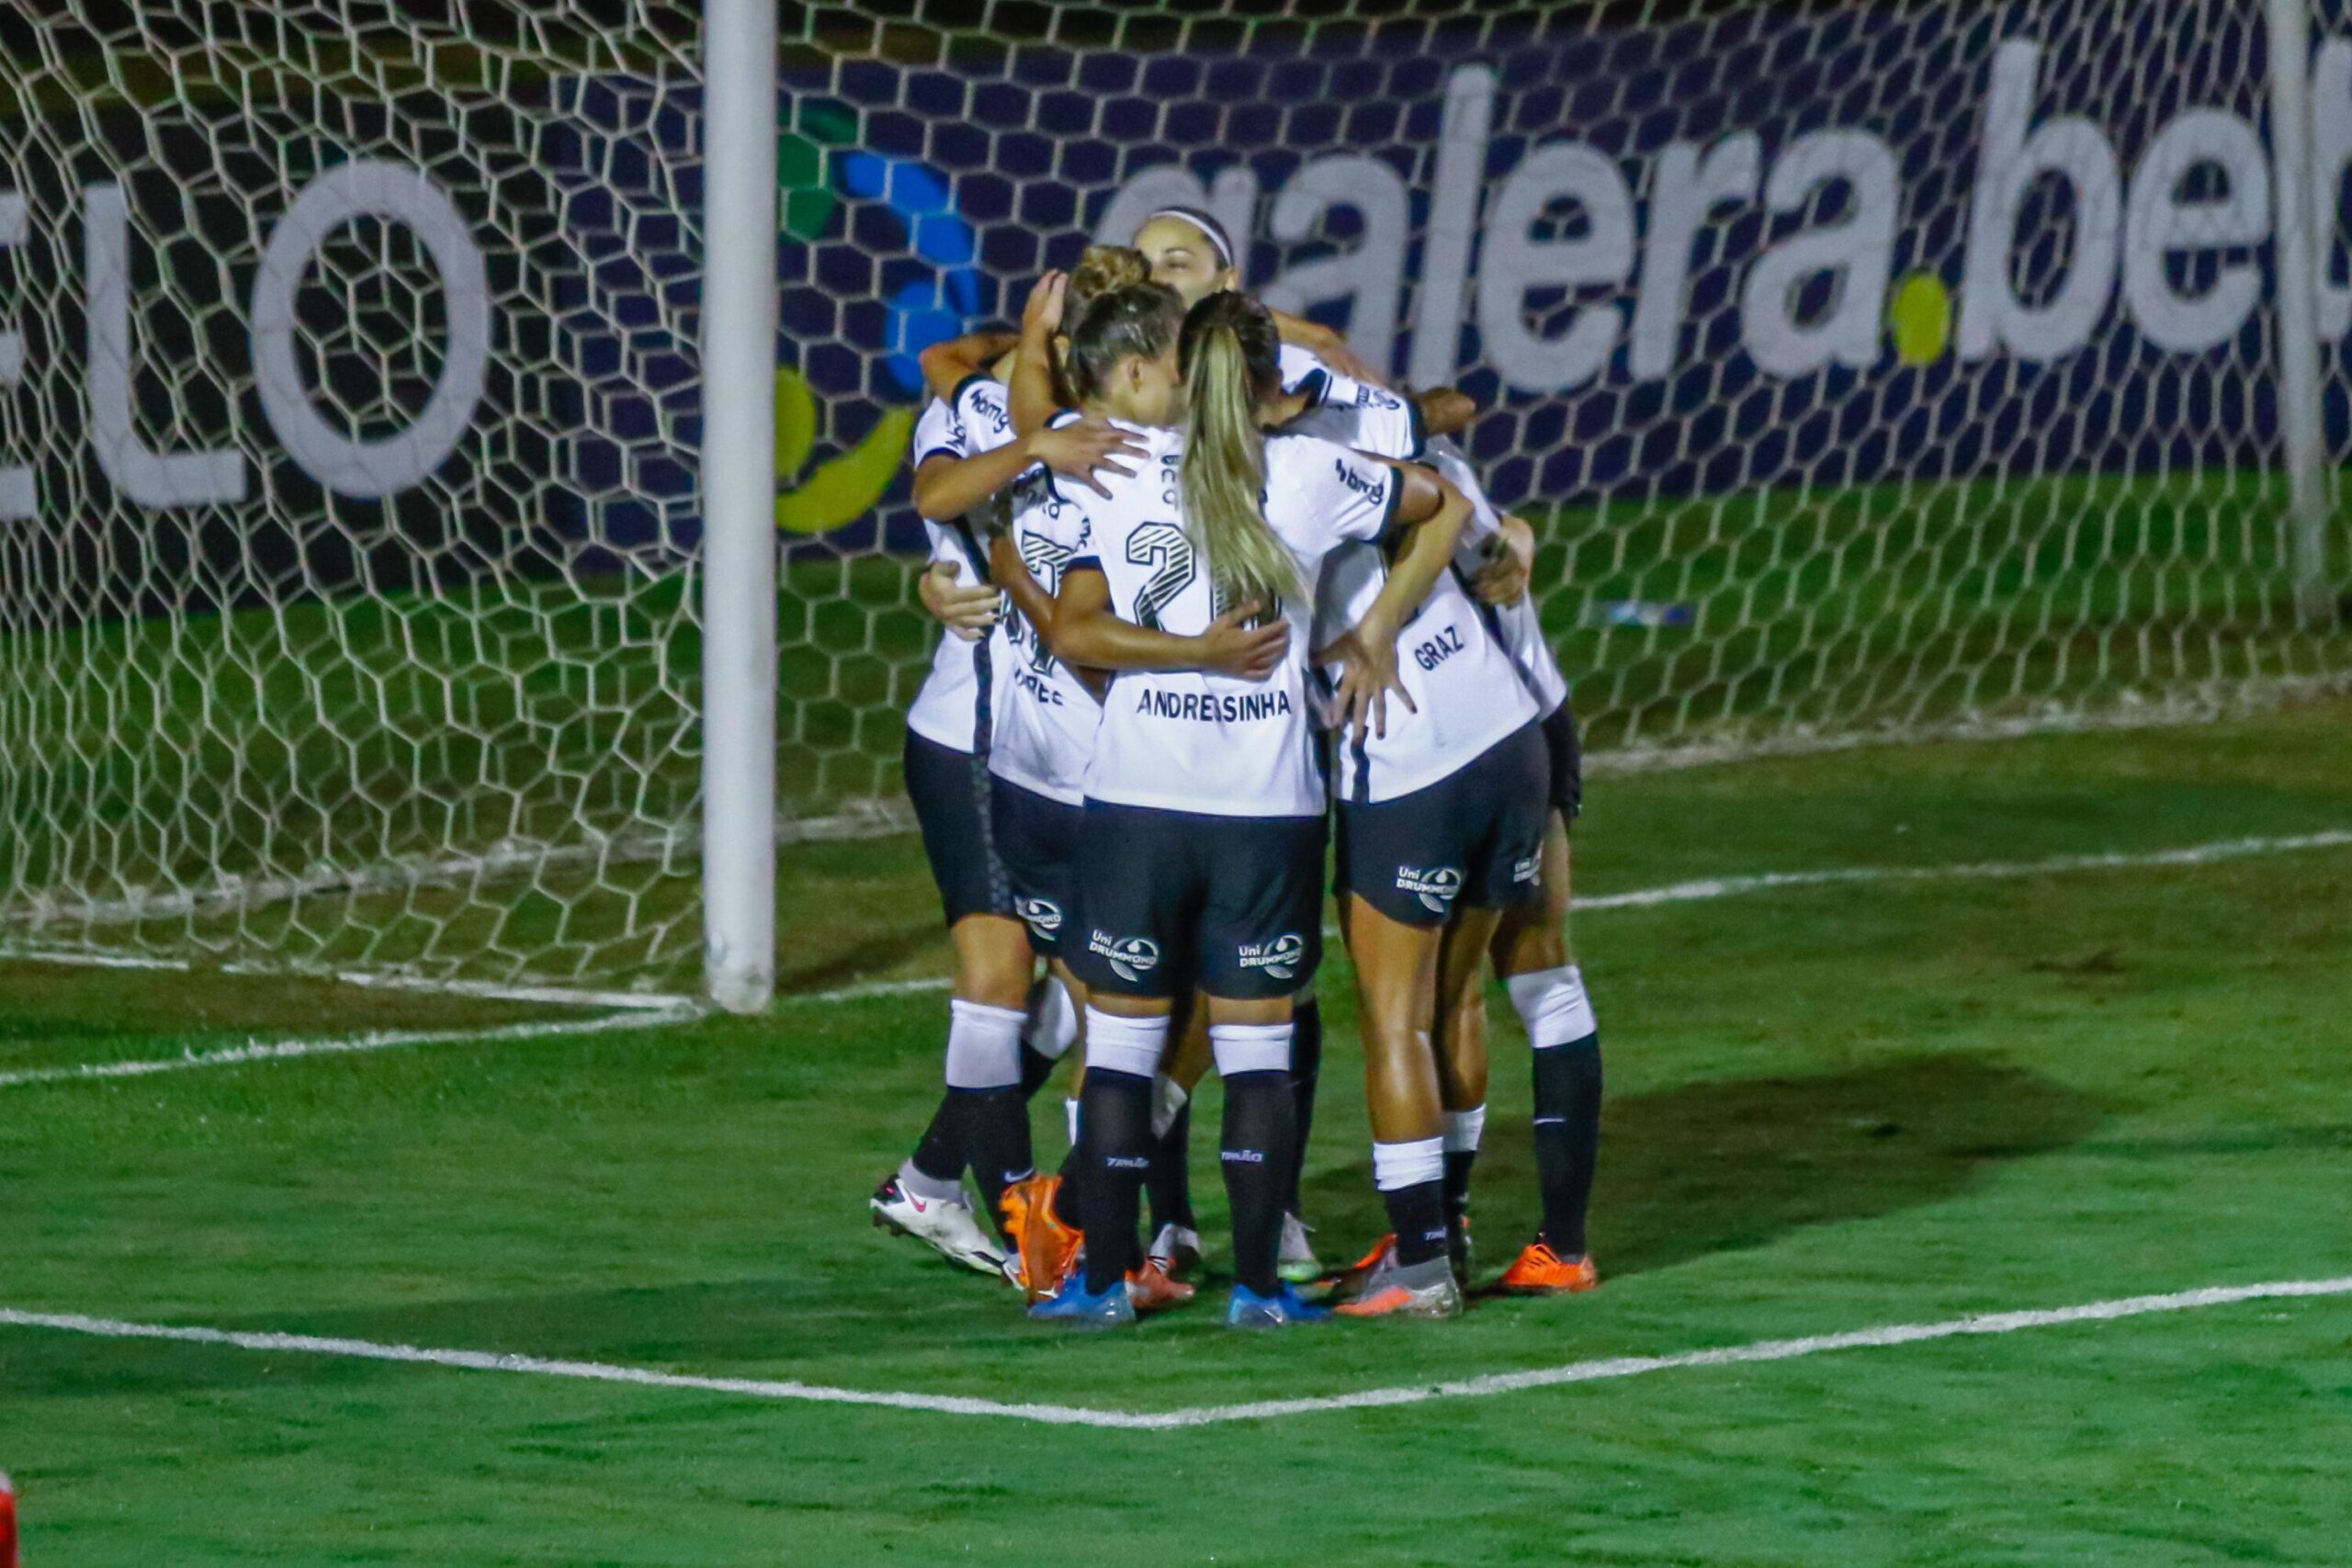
[(1072, 1305), (1281, 1310)]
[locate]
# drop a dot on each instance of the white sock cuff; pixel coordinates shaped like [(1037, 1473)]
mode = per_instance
[(1125, 1045), (1464, 1128), (1552, 1006), (983, 1046), (1250, 1047), (1168, 1099), (1053, 1021), (1397, 1166), (931, 1187)]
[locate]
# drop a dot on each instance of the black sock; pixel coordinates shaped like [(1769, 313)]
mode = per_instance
[(1064, 1202), (1035, 1069), (996, 1131), (1114, 1129), (1306, 1071), (940, 1155), (1457, 1182), (1567, 1138), (1169, 1185), (1416, 1213), (1259, 1126)]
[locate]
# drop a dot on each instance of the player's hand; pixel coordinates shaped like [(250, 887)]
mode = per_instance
[(1510, 565), (966, 612), (1367, 658), (1232, 647), (1043, 314), (1078, 451)]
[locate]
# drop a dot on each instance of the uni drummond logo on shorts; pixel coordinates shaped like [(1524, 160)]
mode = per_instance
[(1530, 869), (1280, 957), (1436, 888), (1130, 957), (1045, 916)]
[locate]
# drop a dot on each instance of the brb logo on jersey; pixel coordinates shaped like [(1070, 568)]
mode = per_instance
[(1436, 889), (1372, 491), (1045, 916), (1280, 957), (1130, 957)]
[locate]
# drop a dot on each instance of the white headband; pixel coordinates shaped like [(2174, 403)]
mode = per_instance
[(1187, 214)]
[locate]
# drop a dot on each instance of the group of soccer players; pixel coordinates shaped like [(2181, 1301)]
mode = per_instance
[(1202, 577)]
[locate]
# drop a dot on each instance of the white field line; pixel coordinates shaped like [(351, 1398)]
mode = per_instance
[(1735, 886), (1197, 1415), (485, 990), (2194, 854), (388, 1040)]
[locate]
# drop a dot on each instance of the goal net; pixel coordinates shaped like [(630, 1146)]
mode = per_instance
[(1867, 370), (347, 535)]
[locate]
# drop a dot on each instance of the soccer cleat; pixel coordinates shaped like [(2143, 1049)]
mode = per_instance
[(1151, 1289), (945, 1225), (1297, 1261), (1391, 1289), (1540, 1272), (1459, 1249), (1072, 1305), (1176, 1251), (1048, 1248), (1248, 1309), (1348, 1283)]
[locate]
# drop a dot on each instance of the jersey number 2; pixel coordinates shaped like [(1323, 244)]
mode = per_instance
[(1163, 547)]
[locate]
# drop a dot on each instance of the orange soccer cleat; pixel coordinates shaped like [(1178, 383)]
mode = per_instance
[(1048, 1248), (1150, 1289), (1540, 1272), (1377, 1285), (1348, 1283)]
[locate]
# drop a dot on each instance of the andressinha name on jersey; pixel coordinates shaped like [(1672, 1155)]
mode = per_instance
[(1212, 707)]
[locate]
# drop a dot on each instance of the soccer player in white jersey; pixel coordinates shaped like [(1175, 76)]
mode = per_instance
[(1202, 854), (1190, 252), (964, 452), (1441, 826), (1531, 954)]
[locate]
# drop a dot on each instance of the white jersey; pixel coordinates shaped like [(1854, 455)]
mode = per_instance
[(1520, 626), (1299, 366), (954, 707), (1189, 741), (1466, 695), (1045, 718)]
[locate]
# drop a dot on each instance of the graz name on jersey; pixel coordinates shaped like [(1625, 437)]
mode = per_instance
[(1212, 707)]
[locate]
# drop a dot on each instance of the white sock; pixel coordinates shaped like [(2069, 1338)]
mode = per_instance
[(1169, 1098), (1397, 1166), (1464, 1128)]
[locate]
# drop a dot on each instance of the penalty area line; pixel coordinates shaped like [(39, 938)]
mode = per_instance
[(1980, 1325), (263, 1050), (1766, 882)]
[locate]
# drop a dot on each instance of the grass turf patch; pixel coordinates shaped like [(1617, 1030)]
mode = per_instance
[(1831, 1108)]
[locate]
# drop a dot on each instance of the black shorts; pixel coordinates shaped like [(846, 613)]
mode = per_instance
[(1036, 839), (1567, 761), (1473, 840), (1177, 899), (950, 790)]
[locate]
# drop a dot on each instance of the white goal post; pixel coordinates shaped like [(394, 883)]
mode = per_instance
[(453, 518)]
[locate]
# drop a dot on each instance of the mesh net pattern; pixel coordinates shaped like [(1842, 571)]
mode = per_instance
[(1866, 371)]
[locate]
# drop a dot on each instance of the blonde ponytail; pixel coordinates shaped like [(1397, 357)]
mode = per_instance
[(1227, 350)]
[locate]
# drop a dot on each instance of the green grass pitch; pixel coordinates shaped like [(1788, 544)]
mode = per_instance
[(1833, 1108)]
